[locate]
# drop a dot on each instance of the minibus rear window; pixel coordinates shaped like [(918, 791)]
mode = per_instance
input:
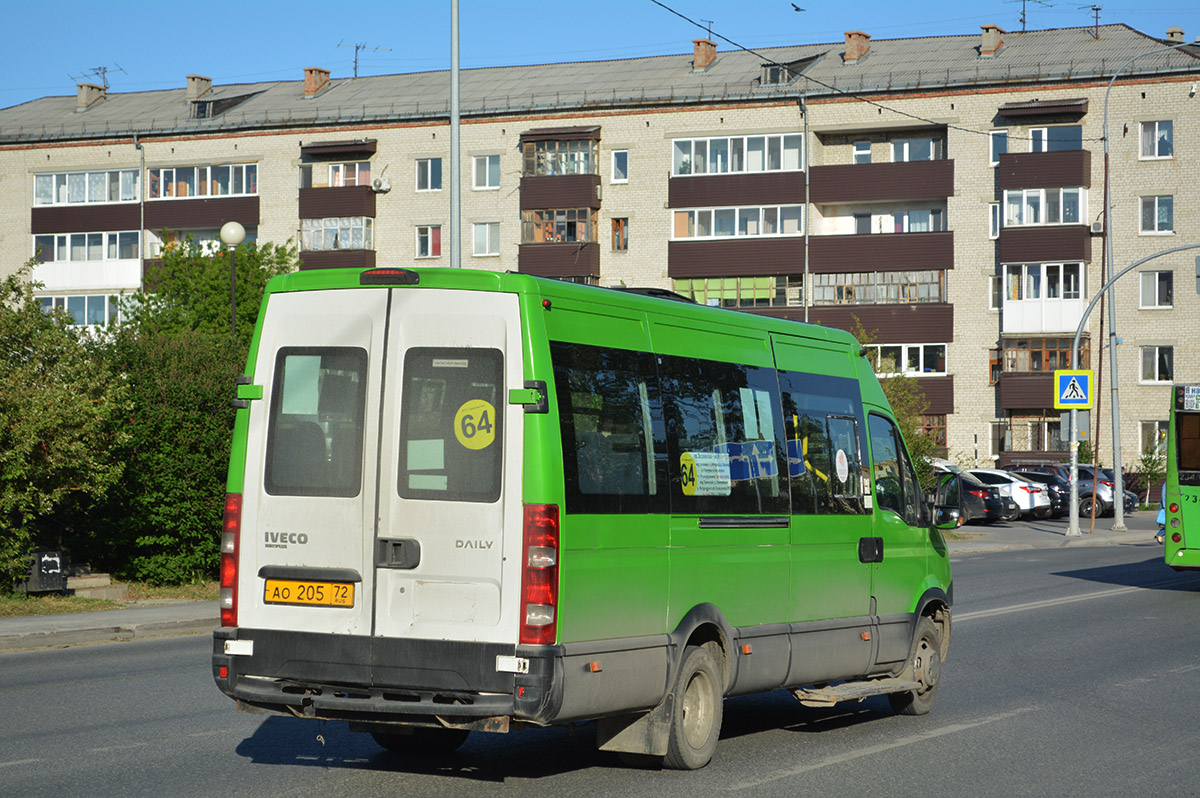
[(315, 434), (451, 424)]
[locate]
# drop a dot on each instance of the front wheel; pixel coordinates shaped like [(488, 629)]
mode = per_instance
[(926, 667), (695, 712)]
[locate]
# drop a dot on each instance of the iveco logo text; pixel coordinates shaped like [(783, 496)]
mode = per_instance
[(473, 544), (280, 540)]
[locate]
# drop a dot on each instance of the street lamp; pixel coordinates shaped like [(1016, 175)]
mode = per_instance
[(232, 234), (1114, 406)]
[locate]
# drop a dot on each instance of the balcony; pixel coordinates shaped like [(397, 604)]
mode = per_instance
[(560, 191), (85, 218), (337, 259), (881, 252), (743, 189), (909, 323), (325, 203), (89, 275), (201, 212), (1018, 390), (1037, 316), (730, 257), (1056, 169), (1041, 243), (877, 182), (574, 259)]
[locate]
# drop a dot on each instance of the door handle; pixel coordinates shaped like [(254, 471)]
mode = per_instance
[(402, 553)]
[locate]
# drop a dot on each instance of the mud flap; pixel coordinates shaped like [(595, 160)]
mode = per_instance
[(637, 733)]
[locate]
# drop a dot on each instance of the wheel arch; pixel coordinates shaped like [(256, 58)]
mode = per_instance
[(705, 624)]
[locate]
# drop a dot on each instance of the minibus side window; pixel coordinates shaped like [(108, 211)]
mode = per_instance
[(315, 431), (895, 482), (725, 442), (1187, 430), (610, 415), (451, 424), (823, 416)]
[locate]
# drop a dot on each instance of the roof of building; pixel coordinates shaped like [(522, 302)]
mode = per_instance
[(891, 65)]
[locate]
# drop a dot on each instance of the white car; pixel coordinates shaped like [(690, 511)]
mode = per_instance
[(1032, 498)]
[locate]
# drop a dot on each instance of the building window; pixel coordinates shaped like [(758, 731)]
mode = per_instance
[(925, 148), (870, 288), (994, 220), (1157, 289), (914, 360), (1033, 206), (774, 220), (185, 182), (487, 238), (1154, 436), (1055, 139), (570, 157), (429, 241), (862, 152), (558, 226), (338, 232), (1028, 433), (86, 309), (738, 154), (919, 221), (1036, 281), (1024, 355), (620, 235), (207, 241), (784, 290), (996, 292), (327, 175), (487, 172), (429, 174), (997, 146), (1158, 214), (86, 246), (1158, 363), (68, 188), (620, 166), (1158, 139), (935, 426)]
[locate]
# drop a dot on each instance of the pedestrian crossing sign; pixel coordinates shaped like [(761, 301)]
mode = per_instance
[(1073, 389)]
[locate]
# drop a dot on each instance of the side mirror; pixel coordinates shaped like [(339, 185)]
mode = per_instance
[(947, 518)]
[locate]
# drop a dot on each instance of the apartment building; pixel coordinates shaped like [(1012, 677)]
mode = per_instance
[(943, 194)]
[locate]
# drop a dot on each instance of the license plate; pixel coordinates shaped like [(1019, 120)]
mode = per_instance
[(319, 594)]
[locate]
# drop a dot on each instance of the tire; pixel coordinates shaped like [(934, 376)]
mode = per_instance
[(696, 711), (926, 666), (423, 741), (1042, 513), (1011, 515), (1085, 507)]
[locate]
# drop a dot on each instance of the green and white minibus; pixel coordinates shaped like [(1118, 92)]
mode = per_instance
[(1183, 479), (471, 501)]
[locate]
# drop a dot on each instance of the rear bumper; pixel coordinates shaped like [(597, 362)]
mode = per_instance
[(1184, 559)]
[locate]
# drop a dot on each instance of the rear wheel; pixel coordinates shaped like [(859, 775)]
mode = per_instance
[(1010, 513), (695, 712), (422, 740), (1085, 506), (926, 670)]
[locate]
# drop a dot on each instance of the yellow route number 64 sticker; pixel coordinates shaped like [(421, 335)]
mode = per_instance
[(475, 424)]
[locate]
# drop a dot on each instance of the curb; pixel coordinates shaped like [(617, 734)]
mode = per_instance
[(60, 638)]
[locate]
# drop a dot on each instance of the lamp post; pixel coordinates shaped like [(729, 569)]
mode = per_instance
[(232, 234), (1114, 406)]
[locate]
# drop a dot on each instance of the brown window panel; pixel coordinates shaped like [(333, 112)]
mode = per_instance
[(324, 203), (1056, 169), (559, 260), (868, 182)]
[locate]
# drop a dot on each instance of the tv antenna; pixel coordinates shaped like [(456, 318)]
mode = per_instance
[(1095, 19), (1024, 5), (359, 47), (710, 22), (100, 72)]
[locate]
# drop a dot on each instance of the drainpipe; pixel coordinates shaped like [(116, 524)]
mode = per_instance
[(141, 213), (807, 206)]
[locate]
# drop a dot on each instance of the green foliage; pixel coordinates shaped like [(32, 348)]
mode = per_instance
[(60, 406), (1087, 454), (1152, 468)]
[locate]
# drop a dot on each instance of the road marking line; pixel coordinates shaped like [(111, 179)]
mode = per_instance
[(1037, 605), (20, 762), (878, 749), (117, 748)]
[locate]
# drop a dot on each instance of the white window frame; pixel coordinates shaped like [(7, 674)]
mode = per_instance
[(1157, 430), (336, 233), (482, 173), (1041, 195), (425, 174), (906, 351), (56, 181), (861, 152), (995, 292), (1142, 215), (426, 231), (491, 240), (1153, 304), (993, 137), (112, 306), (203, 178), (738, 149), (63, 244), (1154, 156), (901, 149), (1153, 350), (612, 175), (714, 218), (995, 220)]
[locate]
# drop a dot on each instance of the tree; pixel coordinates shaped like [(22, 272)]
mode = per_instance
[(1152, 467), (61, 414)]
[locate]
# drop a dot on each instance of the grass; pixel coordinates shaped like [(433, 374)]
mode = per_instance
[(16, 605)]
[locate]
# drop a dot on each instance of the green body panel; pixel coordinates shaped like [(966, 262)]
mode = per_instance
[(1186, 521)]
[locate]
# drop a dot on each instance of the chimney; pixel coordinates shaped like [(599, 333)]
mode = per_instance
[(89, 95), (198, 86), (1175, 34), (705, 54), (857, 45), (315, 79), (991, 41)]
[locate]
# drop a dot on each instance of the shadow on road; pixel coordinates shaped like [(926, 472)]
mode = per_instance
[(1151, 574)]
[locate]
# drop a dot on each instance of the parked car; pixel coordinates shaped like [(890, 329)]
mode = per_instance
[(981, 502), (1031, 497), (1104, 491), (1087, 491), (1058, 488)]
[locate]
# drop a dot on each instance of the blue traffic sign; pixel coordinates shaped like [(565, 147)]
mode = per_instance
[(1073, 389)]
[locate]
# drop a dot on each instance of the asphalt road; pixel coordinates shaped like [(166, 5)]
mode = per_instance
[(1072, 672)]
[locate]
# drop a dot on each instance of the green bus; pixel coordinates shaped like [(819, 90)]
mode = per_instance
[(1183, 478), (470, 501)]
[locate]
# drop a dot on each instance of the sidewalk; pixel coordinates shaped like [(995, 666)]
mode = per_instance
[(166, 619)]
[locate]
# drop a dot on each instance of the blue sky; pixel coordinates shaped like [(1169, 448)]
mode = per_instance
[(151, 44)]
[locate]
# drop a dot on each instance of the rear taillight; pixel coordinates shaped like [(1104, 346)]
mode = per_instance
[(1106, 483), (539, 575), (1173, 507), (231, 527), (980, 493)]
